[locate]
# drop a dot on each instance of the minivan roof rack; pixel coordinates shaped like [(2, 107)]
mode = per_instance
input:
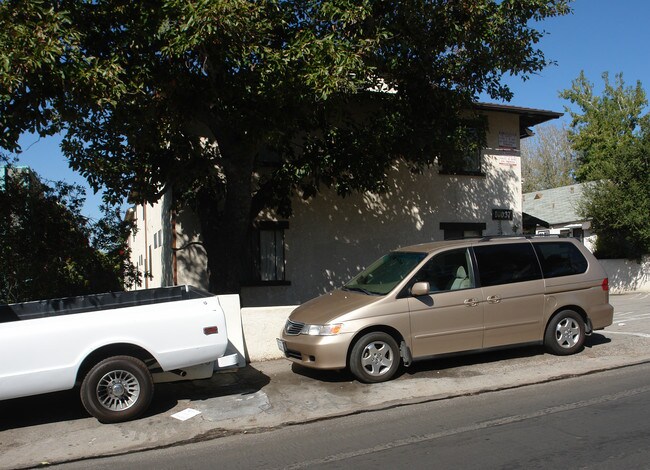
[(487, 238)]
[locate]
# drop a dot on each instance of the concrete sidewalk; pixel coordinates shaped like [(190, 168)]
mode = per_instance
[(54, 428)]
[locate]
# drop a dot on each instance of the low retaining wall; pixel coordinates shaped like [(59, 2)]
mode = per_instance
[(627, 276), (261, 326), (252, 331)]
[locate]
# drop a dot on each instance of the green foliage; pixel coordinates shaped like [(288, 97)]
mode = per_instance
[(613, 138), (44, 242), (548, 160), (619, 206), (603, 124), (108, 237), (239, 105)]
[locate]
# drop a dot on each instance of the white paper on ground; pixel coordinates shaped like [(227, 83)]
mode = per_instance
[(186, 414)]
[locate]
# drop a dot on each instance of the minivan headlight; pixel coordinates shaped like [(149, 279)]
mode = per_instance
[(321, 330)]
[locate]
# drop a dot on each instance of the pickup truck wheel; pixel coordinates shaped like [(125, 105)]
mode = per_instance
[(374, 358), (117, 389), (565, 333)]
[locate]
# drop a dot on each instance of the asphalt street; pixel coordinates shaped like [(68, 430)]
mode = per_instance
[(591, 421), (272, 395)]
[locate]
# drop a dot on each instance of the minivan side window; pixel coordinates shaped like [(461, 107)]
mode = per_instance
[(560, 259), (450, 270), (506, 264)]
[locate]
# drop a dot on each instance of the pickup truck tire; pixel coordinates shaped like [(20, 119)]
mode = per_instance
[(117, 389)]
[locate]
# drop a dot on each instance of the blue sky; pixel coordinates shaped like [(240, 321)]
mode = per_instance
[(600, 35)]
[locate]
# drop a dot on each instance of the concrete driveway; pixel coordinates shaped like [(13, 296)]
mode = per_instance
[(54, 428)]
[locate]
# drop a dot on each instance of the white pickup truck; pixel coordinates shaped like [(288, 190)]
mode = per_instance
[(114, 345)]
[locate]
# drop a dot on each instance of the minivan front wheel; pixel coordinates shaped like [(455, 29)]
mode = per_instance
[(374, 358), (565, 333)]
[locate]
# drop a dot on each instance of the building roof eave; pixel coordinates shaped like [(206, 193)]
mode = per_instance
[(528, 117)]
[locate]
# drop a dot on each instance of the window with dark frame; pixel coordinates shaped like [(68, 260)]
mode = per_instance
[(469, 162), (507, 264), (560, 259), (460, 230), (270, 248)]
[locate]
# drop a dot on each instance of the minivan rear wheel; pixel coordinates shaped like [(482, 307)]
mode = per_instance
[(374, 357), (565, 333)]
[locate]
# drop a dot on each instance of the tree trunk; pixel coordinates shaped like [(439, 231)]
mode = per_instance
[(226, 233)]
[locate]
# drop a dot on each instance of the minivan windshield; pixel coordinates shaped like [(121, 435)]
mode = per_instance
[(383, 275)]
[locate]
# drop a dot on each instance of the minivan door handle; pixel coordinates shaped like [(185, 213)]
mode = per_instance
[(494, 299), (471, 302)]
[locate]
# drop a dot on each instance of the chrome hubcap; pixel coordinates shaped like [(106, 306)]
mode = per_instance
[(567, 333), (118, 390), (377, 358)]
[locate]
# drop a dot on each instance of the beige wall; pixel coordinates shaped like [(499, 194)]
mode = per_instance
[(191, 259), (627, 275), (150, 243), (330, 239), (177, 256)]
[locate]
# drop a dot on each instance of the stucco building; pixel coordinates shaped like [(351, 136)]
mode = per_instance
[(329, 239)]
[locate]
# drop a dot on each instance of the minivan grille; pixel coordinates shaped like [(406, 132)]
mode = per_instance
[(293, 327)]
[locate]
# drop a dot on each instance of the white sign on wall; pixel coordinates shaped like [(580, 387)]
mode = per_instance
[(508, 160)]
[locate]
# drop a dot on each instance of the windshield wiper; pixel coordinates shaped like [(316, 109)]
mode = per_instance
[(360, 289)]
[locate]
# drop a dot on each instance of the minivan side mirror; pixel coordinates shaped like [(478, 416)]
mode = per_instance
[(420, 288)]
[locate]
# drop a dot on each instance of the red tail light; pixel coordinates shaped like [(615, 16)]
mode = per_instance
[(605, 284), (210, 330)]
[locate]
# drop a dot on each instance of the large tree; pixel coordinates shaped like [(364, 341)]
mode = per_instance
[(239, 105), (48, 248), (612, 136), (602, 124), (547, 159), (619, 205)]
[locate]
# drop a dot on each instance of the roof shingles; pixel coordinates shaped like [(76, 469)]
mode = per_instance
[(555, 206)]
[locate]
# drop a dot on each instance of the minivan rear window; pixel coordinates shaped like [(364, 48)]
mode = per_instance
[(506, 264), (560, 259)]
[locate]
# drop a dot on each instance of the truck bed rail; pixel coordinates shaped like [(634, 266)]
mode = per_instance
[(97, 302)]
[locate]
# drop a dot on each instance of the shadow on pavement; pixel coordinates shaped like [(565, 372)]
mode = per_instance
[(41, 409), (330, 376), (66, 405), (244, 381), (444, 363), (448, 365), (454, 365), (596, 339)]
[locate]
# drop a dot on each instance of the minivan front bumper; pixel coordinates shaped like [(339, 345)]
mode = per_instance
[(318, 352)]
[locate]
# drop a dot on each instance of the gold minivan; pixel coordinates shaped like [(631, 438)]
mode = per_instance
[(449, 297)]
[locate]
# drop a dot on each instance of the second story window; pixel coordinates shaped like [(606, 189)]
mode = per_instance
[(471, 161), (467, 160)]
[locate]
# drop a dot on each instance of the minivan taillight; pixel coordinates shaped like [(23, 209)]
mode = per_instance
[(605, 284)]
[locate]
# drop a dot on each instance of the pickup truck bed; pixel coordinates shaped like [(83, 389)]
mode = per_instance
[(110, 344)]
